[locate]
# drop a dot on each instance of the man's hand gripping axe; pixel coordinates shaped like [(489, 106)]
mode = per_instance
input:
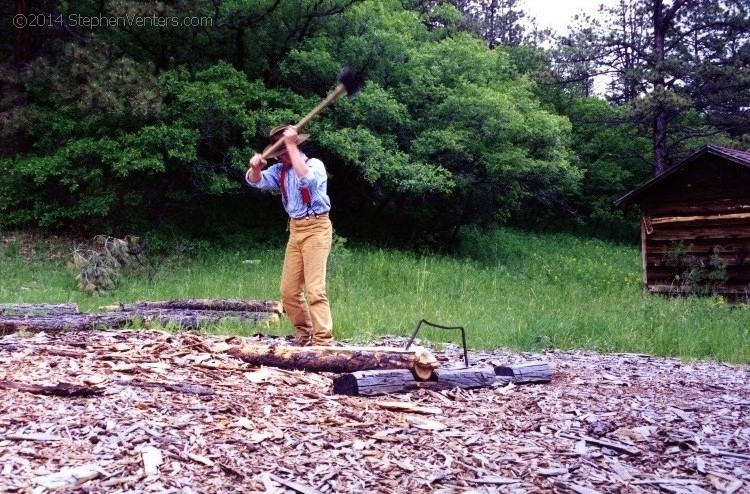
[(347, 84)]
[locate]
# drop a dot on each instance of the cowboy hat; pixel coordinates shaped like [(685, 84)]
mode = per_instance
[(276, 134)]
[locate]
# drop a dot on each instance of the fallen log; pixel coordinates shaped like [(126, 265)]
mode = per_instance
[(378, 382), (416, 360), (529, 372), (185, 319), (273, 306), (19, 310), (60, 389)]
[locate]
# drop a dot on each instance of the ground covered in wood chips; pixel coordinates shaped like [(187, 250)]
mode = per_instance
[(173, 416)]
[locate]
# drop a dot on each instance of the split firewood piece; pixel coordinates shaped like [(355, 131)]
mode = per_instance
[(60, 389), (339, 359), (273, 306), (37, 309)]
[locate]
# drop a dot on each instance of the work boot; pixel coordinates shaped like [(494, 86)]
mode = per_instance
[(321, 341), (301, 341)]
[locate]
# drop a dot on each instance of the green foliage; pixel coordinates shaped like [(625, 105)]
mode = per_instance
[(444, 127), (613, 157), (340, 255), (694, 275), (457, 124), (670, 63)]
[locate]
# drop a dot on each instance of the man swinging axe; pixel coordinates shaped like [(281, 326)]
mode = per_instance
[(304, 195)]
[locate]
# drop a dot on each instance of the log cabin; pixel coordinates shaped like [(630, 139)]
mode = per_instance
[(695, 225)]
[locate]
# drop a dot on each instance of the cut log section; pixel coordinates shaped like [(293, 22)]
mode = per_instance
[(378, 382), (417, 361), (24, 310)]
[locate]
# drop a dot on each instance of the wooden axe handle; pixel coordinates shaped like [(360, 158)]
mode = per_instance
[(340, 89)]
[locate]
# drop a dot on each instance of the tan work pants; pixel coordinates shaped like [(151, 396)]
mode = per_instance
[(305, 268)]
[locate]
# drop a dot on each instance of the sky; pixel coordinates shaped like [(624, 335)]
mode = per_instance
[(558, 14)]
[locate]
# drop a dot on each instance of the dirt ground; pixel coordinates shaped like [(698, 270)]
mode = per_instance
[(168, 414)]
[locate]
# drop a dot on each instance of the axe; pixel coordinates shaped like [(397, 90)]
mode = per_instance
[(347, 84)]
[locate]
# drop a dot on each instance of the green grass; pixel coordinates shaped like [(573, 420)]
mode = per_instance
[(508, 289)]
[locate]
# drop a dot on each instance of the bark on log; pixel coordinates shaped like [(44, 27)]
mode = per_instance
[(23, 310), (186, 319), (273, 306), (417, 360), (378, 382), (529, 372)]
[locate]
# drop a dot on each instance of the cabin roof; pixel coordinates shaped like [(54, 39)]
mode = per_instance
[(736, 156)]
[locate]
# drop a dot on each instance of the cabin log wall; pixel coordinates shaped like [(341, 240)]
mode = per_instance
[(701, 208)]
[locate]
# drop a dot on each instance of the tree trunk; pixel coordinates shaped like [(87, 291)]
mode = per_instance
[(662, 20), (339, 359), (660, 117)]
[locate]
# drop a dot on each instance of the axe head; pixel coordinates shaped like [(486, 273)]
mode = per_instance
[(346, 77)]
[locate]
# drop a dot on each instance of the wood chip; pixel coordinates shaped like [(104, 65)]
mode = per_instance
[(152, 459), (69, 477), (295, 486), (200, 459), (404, 406), (94, 379), (580, 489), (551, 472), (426, 424), (495, 480), (735, 486), (32, 436), (612, 445)]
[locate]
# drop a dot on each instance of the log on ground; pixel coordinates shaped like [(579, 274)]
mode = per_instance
[(378, 382), (60, 389), (416, 360), (25, 310), (273, 306), (185, 319), (528, 372)]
